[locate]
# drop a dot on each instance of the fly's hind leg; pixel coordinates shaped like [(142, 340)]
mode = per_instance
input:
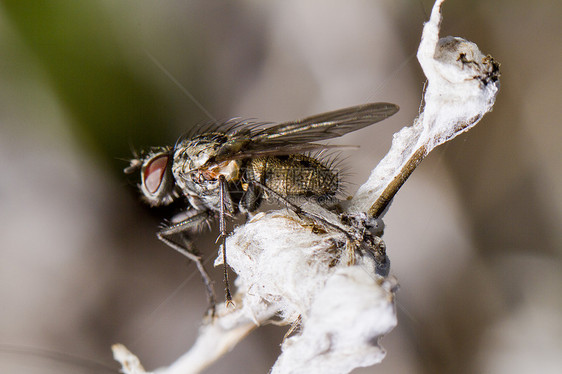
[(355, 238), (298, 210), (251, 199), (190, 224)]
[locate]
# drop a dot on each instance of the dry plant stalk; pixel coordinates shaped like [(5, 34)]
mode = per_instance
[(292, 273)]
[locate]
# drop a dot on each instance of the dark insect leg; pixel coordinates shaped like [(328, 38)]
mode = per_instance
[(165, 235), (300, 211), (223, 234), (251, 199), (378, 251), (377, 247)]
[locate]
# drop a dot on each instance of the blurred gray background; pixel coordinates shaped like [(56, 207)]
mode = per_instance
[(474, 236)]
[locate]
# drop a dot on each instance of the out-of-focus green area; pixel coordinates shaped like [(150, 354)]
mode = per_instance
[(90, 59)]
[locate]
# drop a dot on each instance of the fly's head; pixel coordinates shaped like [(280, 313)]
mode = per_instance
[(157, 181)]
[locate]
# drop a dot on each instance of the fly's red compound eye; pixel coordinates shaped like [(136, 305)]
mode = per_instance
[(154, 173)]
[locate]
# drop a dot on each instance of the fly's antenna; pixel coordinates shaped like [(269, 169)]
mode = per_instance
[(135, 163)]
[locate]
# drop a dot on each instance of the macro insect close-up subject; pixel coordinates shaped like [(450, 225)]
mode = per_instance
[(230, 167)]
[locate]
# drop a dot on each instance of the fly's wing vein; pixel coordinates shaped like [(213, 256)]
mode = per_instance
[(326, 125), (297, 136)]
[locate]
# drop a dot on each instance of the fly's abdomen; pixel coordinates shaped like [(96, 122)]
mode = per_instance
[(294, 175)]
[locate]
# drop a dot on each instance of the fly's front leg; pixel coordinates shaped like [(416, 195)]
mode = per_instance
[(191, 223), (223, 191)]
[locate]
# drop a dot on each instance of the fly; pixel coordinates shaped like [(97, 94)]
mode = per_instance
[(231, 167)]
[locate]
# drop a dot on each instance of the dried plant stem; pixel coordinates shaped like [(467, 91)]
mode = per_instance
[(388, 194)]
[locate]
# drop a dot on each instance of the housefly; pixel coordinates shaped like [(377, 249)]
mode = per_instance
[(231, 167)]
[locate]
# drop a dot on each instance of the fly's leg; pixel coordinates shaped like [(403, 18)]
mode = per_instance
[(297, 209), (251, 199), (371, 231), (377, 248), (190, 224), (378, 252), (222, 228)]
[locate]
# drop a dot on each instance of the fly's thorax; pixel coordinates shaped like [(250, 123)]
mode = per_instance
[(294, 175), (190, 155), (195, 172), (194, 153)]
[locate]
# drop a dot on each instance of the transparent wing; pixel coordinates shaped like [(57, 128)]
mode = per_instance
[(325, 126), (285, 149), (297, 136)]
